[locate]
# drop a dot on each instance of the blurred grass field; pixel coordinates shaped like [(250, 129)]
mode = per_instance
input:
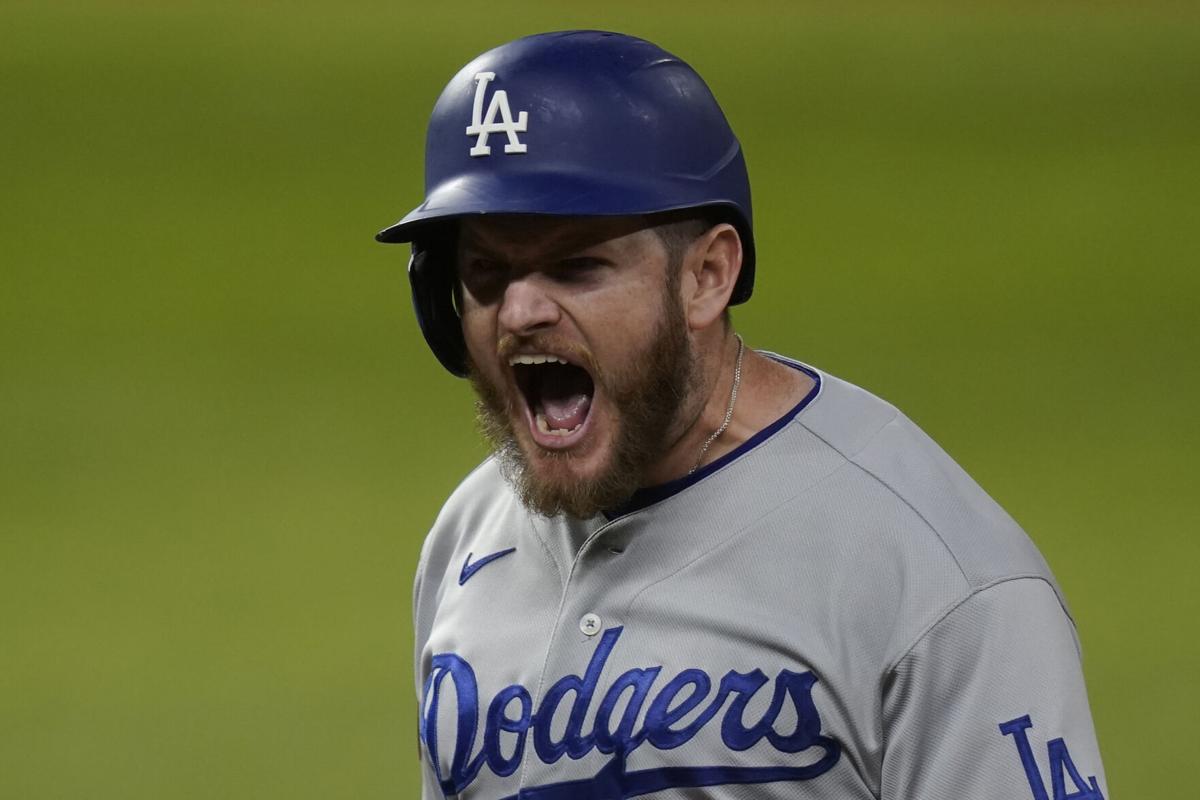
[(222, 438)]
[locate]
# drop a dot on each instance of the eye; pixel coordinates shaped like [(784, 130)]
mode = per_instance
[(482, 271), (583, 262), (579, 268), (483, 277), (481, 268)]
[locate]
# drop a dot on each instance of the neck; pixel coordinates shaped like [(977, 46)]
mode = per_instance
[(767, 390), (728, 418)]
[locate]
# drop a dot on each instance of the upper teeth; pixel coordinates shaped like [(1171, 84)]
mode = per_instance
[(535, 359)]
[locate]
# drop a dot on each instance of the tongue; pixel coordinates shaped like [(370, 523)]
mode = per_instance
[(566, 413)]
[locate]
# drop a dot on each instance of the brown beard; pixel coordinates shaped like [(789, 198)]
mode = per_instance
[(648, 396)]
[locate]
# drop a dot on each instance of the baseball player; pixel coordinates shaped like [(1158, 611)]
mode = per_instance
[(691, 569)]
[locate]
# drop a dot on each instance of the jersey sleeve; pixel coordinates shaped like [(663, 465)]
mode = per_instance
[(990, 703), (420, 626)]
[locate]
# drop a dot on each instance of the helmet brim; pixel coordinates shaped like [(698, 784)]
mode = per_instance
[(551, 194), (558, 195)]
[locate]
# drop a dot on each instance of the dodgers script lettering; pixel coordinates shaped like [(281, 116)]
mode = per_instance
[(510, 715)]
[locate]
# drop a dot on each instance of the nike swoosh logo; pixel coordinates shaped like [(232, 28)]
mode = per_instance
[(470, 569)]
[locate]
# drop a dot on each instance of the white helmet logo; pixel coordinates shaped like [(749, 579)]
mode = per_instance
[(481, 125)]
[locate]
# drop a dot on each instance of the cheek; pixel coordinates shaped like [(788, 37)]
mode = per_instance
[(629, 329), (629, 314), (480, 335)]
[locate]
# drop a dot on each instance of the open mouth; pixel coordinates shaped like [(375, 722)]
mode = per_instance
[(558, 397)]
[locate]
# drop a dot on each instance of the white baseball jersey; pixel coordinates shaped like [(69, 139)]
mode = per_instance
[(834, 610)]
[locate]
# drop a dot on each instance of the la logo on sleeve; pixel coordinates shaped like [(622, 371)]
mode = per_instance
[(1061, 765)]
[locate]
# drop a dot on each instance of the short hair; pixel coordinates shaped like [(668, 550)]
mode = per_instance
[(677, 230)]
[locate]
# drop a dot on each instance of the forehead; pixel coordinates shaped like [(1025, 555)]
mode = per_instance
[(531, 236)]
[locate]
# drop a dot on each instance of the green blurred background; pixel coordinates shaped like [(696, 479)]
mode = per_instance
[(222, 438)]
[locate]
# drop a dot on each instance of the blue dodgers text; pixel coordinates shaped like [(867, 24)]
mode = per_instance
[(619, 734)]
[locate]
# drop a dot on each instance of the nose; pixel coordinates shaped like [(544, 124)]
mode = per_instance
[(527, 307)]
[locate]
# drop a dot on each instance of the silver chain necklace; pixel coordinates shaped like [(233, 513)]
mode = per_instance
[(737, 381)]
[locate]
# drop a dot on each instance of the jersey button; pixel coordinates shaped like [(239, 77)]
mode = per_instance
[(589, 624)]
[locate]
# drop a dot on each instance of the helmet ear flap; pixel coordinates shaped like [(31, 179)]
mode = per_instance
[(432, 278)]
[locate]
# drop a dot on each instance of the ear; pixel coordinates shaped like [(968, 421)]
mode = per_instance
[(710, 271)]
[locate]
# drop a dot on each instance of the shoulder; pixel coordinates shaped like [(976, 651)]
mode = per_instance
[(884, 448), (477, 504), (903, 530), (479, 510), (481, 495)]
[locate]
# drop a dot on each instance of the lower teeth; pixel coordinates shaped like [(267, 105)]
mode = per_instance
[(544, 427)]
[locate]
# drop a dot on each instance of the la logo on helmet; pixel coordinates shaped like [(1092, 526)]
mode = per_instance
[(482, 126)]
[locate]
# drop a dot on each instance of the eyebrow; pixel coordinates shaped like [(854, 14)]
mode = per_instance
[(556, 251)]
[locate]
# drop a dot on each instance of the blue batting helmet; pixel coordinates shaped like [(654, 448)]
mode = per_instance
[(578, 123)]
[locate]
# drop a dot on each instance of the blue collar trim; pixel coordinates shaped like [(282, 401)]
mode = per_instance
[(650, 495)]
